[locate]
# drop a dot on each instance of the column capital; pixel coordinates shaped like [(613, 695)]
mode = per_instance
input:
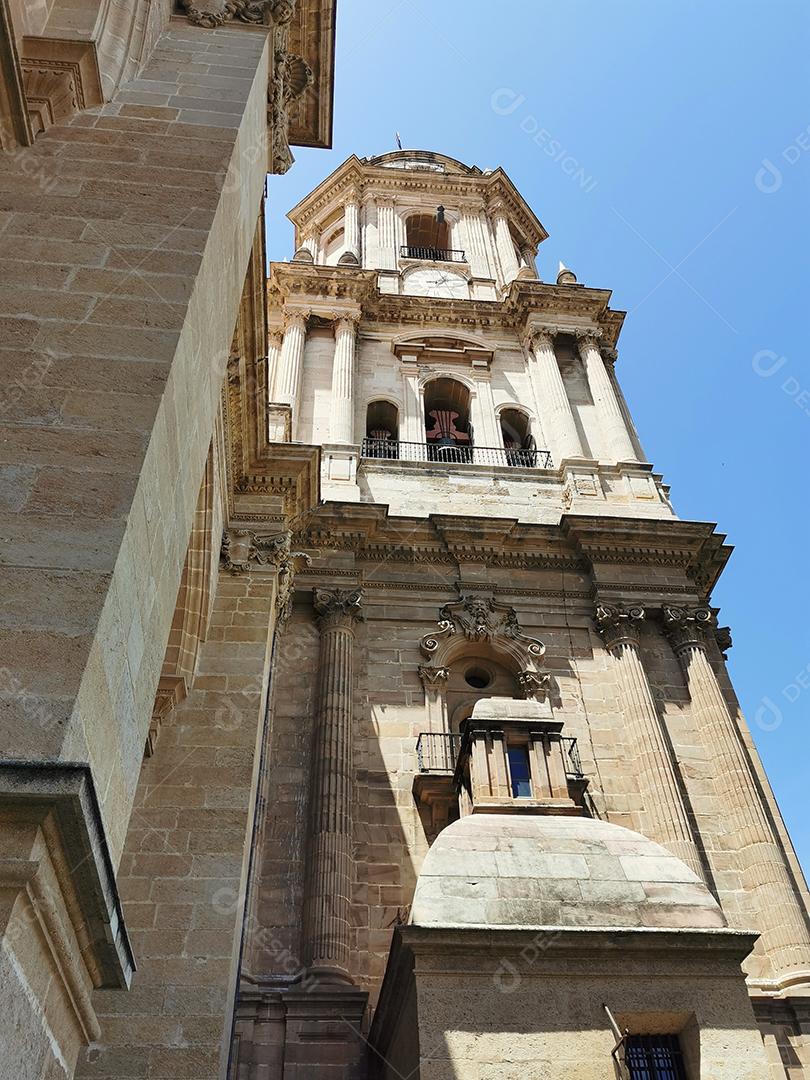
[(545, 334), (346, 320), (688, 627), (295, 316), (337, 607), (588, 337), (433, 677), (618, 625)]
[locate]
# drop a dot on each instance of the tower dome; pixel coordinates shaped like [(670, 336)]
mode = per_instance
[(507, 871)]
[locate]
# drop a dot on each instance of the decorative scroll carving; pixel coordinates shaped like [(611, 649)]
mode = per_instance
[(618, 624), (480, 618), (243, 550), (686, 627), (337, 607)]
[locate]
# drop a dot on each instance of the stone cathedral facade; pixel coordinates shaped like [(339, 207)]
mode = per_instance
[(512, 822), (363, 707)]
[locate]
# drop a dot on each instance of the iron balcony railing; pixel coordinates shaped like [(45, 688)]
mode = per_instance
[(433, 254), (455, 454), (437, 752)]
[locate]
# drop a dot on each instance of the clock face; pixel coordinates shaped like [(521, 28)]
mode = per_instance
[(436, 282)]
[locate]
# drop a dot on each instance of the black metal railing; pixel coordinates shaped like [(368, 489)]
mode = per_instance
[(573, 764), (437, 751), (455, 454), (433, 254)]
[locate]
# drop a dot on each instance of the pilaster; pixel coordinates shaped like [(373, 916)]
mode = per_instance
[(611, 418)]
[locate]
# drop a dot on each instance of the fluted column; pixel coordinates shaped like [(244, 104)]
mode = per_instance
[(369, 241), (341, 423), (351, 225), (329, 856), (504, 243), (554, 407), (476, 245), (608, 410), (288, 375), (665, 816), (766, 878), (386, 233), (274, 339)]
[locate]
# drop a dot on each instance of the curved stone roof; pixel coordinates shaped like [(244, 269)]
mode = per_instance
[(510, 871)]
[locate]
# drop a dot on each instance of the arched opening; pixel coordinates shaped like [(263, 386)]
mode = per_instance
[(382, 430), (428, 237), (474, 676), (518, 441), (448, 430), (334, 247)]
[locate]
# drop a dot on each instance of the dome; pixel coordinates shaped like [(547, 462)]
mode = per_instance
[(510, 871)]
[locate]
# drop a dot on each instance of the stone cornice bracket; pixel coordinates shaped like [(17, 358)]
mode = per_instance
[(618, 625), (688, 627), (610, 356), (337, 607)]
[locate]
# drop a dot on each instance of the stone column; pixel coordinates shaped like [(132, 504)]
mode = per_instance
[(351, 225), (369, 244), (486, 432), (341, 424), (412, 421), (475, 242), (554, 408), (665, 816), (288, 377), (609, 412), (329, 860), (766, 878), (274, 339), (386, 233), (504, 243)]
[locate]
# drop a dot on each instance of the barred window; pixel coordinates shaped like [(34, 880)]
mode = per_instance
[(654, 1057)]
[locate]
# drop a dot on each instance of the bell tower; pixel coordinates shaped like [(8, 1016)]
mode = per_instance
[(500, 713)]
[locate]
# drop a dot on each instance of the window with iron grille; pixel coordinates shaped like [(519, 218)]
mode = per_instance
[(654, 1057)]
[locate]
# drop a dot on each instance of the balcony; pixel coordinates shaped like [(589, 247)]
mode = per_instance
[(432, 254), (437, 752), (455, 454)]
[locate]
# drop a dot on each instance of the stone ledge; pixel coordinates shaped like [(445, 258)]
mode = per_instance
[(65, 791)]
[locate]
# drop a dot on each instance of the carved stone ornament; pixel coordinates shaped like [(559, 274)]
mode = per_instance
[(337, 607), (433, 677), (618, 625), (243, 551), (211, 13), (688, 627), (481, 618)]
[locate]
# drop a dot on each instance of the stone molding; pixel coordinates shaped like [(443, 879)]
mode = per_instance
[(337, 607), (433, 677), (244, 551), (63, 792)]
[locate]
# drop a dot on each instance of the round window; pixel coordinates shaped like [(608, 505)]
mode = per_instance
[(477, 677)]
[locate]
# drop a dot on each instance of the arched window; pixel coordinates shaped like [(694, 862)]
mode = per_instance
[(427, 237), (382, 430), (448, 430), (518, 441)]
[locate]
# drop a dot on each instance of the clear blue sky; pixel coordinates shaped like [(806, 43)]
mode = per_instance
[(669, 109)]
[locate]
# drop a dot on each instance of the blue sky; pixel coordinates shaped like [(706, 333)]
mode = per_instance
[(685, 128)]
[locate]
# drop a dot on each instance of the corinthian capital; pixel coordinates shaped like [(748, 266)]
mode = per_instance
[(541, 336), (590, 337), (618, 625), (688, 627), (337, 607)]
